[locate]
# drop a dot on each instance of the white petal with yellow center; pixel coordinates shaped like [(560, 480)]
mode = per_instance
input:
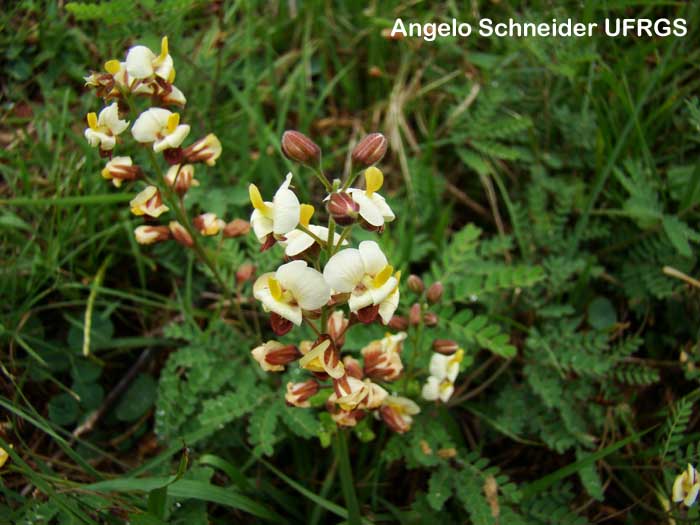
[(307, 286), (285, 208), (344, 270), (139, 62)]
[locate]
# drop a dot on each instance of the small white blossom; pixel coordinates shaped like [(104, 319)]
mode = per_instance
[(278, 217), (292, 288), (142, 63), (161, 127), (103, 129), (443, 372), (686, 487), (373, 207)]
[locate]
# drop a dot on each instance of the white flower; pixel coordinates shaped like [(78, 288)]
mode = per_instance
[(278, 217), (373, 207), (148, 202), (397, 413), (292, 288), (142, 63), (298, 241), (208, 224), (686, 487), (322, 358), (366, 274), (119, 169), (382, 358), (103, 130), (160, 126), (443, 372)]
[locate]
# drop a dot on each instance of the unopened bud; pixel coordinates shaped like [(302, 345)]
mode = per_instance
[(352, 367), (283, 355), (430, 319), (180, 234), (181, 178), (300, 148), (298, 394), (279, 324), (245, 272), (398, 322), (343, 208), (206, 150), (236, 228), (336, 327), (415, 284), (434, 292), (370, 149), (414, 315), (151, 234), (173, 156), (368, 314), (445, 346)]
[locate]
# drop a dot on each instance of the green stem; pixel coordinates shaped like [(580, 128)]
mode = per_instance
[(322, 177), (346, 482), (198, 249), (351, 180), (321, 242)]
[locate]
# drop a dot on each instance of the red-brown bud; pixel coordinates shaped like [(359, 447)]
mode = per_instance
[(368, 314), (343, 208), (173, 156), (352, 367), (370, 149), (300, 148), (236, 228), (415, 284), (336, 326), (398, 322), (430, 319), (279, 324), (181, 178), (435, 292), (445, 346), (298, 394), (206, 149), (283, 355), (245, 272), (414, 315), (180, 234)]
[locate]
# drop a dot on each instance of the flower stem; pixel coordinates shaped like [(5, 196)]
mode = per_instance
[(198, 249), (322, 177), (346, 481)]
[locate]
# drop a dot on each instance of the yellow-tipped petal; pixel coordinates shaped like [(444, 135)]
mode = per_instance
[(173, 121), (374, 179), (164, 47), (106, 173), (398, 276), (255, 198), (457, 357), (275, 288), (171, 76), (383, 276), (92, 120), (112, 67), (305, 214)]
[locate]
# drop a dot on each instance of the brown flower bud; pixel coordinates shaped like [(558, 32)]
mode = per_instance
[(343, 208), (414, 315), (398, 322), (445, 346), (283, 355), (181, 178), (352, 367), (279, 324), (336, 326), (298, 394), (245, 272), (434, 292), (180, 234), (430, 319), (415, 284), (173, 156), (368, 314), (370, 149), (236, 228), (300, 148), (151, 234)]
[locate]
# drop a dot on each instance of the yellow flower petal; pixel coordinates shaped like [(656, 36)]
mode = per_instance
[(92, 120), (275, 288), (374, 179), (383, 276), (305, 214), (173, 121), (112, 67)]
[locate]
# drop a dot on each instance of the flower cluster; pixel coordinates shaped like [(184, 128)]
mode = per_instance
[(147, 75), (332, 287)]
